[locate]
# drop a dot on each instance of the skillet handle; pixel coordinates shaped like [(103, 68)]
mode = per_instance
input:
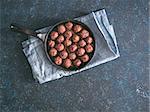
[(20, 29), (17, 28)]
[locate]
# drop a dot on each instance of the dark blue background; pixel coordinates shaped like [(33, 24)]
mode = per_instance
[(118, 86)]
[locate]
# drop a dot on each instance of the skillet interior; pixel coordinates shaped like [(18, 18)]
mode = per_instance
[(47, 48)]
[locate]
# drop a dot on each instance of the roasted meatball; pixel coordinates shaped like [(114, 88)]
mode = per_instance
[(89, 40), (60, 39), (80, 51), (75, 38), (69, 25), (77, 28), (85, 58), (72, 56), (82, 43), (63, 54), (60, 47), (67, 63), (61, 29), (54, 35), (53, 52), (58, 60), (51, 43), (73, 48), (84, 33), (68, 34), (67, 42), (77, 62), (88, 48)]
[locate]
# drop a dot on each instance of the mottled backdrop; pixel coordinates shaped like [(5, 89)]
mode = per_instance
[(118, 86)]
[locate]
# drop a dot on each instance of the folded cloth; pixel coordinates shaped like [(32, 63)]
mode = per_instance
[(106, 48)]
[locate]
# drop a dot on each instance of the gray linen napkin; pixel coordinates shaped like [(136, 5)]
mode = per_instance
[(106, 48)]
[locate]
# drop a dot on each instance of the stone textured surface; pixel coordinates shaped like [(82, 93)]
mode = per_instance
[(117, 86)]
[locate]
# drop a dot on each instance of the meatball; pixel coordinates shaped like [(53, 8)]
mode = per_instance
[(73, 48), (85, 58), (67, 42), (80, 51), (54, 35), (68, 34), (84, 33), (75, 38), (69, 25), (51, 43), (77, 28), (53, 52), (58, 60), (61, 29), (67, 63), (89, 40), (60, 39), (63, 54), (77, 62), (72, 56), (82, 43), (88, 48), (60, 47)]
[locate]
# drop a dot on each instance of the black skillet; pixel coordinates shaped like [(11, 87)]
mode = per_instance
[(46, 38)]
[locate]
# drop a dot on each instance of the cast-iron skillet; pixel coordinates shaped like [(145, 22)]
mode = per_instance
[(46, 37)]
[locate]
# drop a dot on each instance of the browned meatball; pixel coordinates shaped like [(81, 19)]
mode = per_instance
[(89, 40), (51, 43), (60, 47), (68, 34), (85, 58), (82, 43), (54, 35), (67, 63), (67, 42), (75, 38), (72, 56), (61, 29), (60, 39), (58, 60), (73, 48), (77, 62), (63, 54), (77, 28), (69, 25), (88, 48), (84, 33), (53, 52), (80, 51)]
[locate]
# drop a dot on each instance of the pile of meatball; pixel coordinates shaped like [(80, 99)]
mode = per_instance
[(70, 45)]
